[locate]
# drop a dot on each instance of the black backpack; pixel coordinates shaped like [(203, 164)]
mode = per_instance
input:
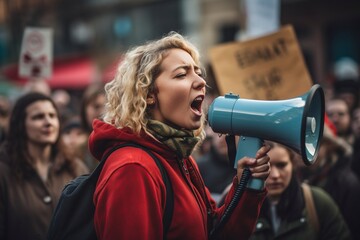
[(74, 214)]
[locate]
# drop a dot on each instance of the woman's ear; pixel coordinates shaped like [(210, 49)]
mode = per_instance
[(150, 100)]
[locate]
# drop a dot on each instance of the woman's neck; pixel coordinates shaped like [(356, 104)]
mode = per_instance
[(274, 200), (40, 159), (39, 153)]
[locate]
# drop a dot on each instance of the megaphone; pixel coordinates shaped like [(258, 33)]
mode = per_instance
[(297, 123)]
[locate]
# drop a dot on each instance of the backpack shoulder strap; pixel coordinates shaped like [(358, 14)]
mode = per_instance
[(169, 204), (310, 206)]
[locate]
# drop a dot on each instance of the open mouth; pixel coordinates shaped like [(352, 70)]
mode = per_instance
[(196, 104)]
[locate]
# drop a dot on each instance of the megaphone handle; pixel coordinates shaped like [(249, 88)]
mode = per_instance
[(248, 146)]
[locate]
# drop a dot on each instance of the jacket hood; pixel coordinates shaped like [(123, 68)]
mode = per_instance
[(105, 136)]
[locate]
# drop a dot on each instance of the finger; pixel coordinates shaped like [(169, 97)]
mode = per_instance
[(246, 162), (263, 173), (243, 163), (263, 151), (263, 160), (260, 168)]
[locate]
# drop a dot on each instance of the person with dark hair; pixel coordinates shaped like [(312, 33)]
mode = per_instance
[(92, 107), (74, 137), (33, 169), (355, 125), (156, 101), (332, 172), (295, 211), (348, 90), (339, 114), (5, 108)]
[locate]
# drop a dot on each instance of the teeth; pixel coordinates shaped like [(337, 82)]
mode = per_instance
[(198, 99)]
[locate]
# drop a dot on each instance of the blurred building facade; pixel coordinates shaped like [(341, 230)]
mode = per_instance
[(103, 29)]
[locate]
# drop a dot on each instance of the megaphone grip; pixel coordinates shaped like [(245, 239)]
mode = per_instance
[(248, 147)]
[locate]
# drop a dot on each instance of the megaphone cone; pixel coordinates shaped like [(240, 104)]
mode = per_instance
[(297, 123)]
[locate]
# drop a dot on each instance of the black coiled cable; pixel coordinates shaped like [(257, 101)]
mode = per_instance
[(233, 203)]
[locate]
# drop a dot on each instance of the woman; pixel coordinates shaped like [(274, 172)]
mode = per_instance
[(92, 107), (284, 215), (332, 172), (5, 108), (74, 137), (156, 101), (33, 170)]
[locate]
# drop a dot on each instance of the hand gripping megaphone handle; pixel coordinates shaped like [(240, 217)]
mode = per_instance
[(248, 147)]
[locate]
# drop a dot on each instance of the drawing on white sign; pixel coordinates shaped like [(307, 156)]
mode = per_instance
[(36, 53)]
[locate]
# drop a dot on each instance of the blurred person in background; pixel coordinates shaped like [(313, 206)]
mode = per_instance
[(74, 137), (62, 99), (92, 107), (39, 85), (348, 90), (285, 213), (214, 165), (347, 82), (339, 114), (355, 165), (34, 169), (355, 122), (5, 108), (332, 172)]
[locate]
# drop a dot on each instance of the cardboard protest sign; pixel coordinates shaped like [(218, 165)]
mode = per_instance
[(36, 54), (267, 68)]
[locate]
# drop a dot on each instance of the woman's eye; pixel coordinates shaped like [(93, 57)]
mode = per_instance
[(37, 116), (53, 115), (181, 75), (281, 165)]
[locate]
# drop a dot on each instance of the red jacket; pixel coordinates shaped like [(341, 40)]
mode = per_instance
[(130, 194)]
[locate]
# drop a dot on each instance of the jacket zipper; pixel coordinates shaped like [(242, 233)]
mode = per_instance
[(185, 173), (184, 166), (206, 200)]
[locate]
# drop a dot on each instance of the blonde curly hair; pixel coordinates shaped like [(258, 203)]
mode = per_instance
[(135, 79)]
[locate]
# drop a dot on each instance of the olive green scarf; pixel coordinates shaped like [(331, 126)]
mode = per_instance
[(182, 142)]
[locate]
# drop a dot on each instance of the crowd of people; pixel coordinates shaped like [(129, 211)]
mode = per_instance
[(157, 99), (336, 169), (43, 146)]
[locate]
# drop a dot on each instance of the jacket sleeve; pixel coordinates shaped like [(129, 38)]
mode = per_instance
[(241, 223), (128, 205)]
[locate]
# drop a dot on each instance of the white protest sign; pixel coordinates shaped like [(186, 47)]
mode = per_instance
[(267, 68), (263, 17), (36, 55)]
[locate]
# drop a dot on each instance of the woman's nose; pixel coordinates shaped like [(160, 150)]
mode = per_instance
[(274, 172), (199, 82), (48, 120)]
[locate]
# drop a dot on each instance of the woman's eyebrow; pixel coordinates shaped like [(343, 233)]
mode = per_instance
[(187, 67)]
